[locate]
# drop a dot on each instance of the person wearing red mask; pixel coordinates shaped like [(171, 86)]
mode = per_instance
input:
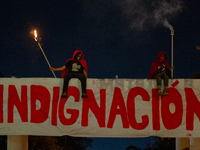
[(160, 70), (76, 67)]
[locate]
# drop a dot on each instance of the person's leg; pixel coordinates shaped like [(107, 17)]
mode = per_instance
[(67, 77), (158, 81), (166, 82), (82, 78)]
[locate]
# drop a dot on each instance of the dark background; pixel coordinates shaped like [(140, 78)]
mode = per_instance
[(117, 37)]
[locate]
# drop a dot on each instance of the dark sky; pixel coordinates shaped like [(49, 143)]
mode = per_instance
[(117, 37)]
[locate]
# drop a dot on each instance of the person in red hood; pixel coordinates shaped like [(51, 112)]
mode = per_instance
[(160, 70), (76, 67)]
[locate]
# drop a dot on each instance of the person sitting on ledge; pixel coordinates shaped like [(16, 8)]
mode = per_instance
[(160, 70), (76, 67)]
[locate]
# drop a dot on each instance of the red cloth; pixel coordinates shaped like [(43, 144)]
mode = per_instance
[(82, 61), (157, 63)]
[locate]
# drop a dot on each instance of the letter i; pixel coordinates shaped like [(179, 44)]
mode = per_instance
[(155, 110), (55, 105), (1, 103)]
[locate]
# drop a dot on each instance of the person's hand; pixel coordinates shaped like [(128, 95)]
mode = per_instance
[(51, 68), (172, 68)]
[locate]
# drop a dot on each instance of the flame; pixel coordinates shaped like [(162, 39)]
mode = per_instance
[(35, 34)]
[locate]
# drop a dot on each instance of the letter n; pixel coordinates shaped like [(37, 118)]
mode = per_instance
[(90, 103), (14, 100), (192, 107)]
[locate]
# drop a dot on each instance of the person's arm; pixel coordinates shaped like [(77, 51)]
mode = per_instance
[(85, 73), (152, 70), (58, 69)]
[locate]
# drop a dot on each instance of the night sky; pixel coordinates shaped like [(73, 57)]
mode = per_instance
[(117, 37)]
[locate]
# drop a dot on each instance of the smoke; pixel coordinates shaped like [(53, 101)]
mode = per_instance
[(167, 25), (147, 13)]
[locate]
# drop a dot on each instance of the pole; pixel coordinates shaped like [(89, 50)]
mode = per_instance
[(182, 143), (172, 33), (194, 143), (46, 58), (17, 142)]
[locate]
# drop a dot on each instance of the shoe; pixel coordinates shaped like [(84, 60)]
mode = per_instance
[(159, 92), (64, 95), (164, 93), (84, 95)]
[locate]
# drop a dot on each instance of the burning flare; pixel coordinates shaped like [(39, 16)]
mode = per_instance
[(35, 34)]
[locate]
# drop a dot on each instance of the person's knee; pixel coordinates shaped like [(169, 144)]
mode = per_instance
[(158, 80), (166, 80), (82, 77), (67, 76), (167, 77), (158, 77)]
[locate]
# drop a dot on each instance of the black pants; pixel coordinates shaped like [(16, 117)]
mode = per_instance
[(80, 76)]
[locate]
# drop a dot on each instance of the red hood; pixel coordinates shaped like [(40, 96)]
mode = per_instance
[(78, 51), (160, 54)]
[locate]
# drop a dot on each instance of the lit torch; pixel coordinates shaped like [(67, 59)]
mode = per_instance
[(172, 33), (36, 39), (35, 35)]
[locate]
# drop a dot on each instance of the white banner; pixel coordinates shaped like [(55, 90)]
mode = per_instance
[(114, 108)]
